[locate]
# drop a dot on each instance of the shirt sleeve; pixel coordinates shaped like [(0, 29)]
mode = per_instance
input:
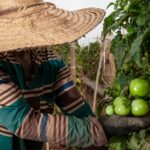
[(6, 140), (67, 96), (21, 120)]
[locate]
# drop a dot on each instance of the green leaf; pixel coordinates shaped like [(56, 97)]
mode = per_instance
[(117, 143), (142, 134), (141, 21), (123, 81), (110, 4), (148, 147), (134, 142), (108, 22), (120, 54), (136, 46)]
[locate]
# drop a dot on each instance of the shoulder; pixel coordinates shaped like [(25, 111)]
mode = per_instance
[(50, 57), (47, 54), (4, 77), (6, 83)]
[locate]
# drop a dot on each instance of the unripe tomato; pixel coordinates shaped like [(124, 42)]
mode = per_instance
[(139, 107), (139, 87), (119, 100), (109, 110), (122, 110)]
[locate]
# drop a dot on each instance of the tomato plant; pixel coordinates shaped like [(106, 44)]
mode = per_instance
[(118, 143), (130, 21), (134, 141)]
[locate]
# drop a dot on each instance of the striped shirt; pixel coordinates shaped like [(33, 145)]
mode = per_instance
[(26, 106)]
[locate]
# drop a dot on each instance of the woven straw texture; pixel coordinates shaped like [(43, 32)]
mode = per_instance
[(43, 24)]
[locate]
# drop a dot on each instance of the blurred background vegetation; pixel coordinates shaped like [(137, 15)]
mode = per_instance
[(129, 24)]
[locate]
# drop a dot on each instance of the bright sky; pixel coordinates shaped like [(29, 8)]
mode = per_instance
[(77, 4)]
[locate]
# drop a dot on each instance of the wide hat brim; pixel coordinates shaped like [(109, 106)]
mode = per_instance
[(44, 24)]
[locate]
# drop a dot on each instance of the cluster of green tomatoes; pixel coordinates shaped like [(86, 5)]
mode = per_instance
[(139, 88)]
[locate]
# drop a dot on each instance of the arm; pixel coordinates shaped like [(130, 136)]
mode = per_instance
[(71, 102), (67, 95), (19, 118), (123, 125)]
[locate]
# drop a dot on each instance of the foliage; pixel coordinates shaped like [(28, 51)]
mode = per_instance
[(134, 141), (63, 51), (139, 141), (130, 22), (117, 143), (87, 59)]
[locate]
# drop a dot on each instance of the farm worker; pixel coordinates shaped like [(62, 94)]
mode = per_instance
[(33, 78)]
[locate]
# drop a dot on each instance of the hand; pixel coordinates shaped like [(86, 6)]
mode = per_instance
[(122, 125)]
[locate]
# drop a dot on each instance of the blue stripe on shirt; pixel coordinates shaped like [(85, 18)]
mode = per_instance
[(63, 87), (43, 127), (2, 81)]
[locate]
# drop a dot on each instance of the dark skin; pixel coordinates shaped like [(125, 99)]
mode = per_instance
[(24, 57)]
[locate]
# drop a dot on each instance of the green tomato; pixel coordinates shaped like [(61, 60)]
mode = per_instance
[(139, 107), (139, 87), (117, 143), (109, 110), (78, 80), (122, 110), (119, 101), (126, 67)]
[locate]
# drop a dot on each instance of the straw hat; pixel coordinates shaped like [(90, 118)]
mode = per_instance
[(30, 23)]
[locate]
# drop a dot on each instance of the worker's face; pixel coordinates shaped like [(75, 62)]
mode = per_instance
[(24, 57)]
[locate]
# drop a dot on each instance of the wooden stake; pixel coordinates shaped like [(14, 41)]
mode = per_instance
[(103, 49), (73, 59)]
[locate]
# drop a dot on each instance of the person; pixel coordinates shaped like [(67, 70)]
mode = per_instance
[(33, 78)]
